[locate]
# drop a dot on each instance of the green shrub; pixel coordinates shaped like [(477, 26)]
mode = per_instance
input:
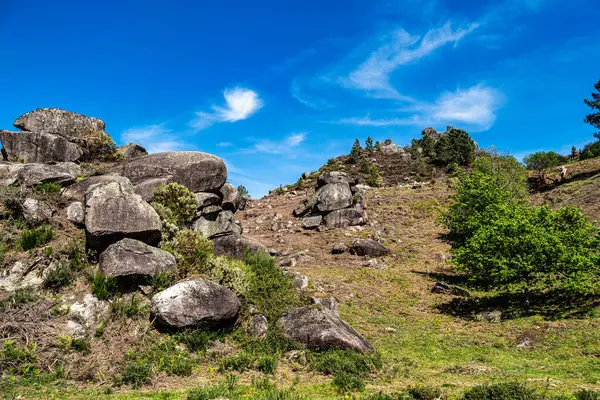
[(356, 153), (348, 383), (80, 345), (345, 361), (100, 329), (586, 395), (270, 290), (60, 276), (508, 173), (47, 188), (137, 374), (37, 237), (192, 251), (180, 200), (240, 362), (18, 360), (542, 160), (590, 150), (424, 393), (455, 146), (163, 280), (267, 364), (197, 340), (374, 179), (243, 192), (128, 307), (502, 391), (103, 287), (100, 146), (231, 273)]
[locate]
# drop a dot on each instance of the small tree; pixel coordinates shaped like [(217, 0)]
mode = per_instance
[(243, 192), (542, 160), (369, 144), (455, 146), (573, 153), (356, 152), (378, 145), (594, 118)]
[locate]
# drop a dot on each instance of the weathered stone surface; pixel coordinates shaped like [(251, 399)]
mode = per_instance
[(38, 147), (231, 197), (36, 211), (130, 261), (258, 326), (61, 122), (334, 196), (211, 210), (195, 303), (236, 245), (339, 248), (312, 222), (76, 213), (114, 212), (368, 247), (76, 192), (207, 199), (89, 313), (32, 174), (147, 187), (333, 177), (70, 168), (199, 172), (223, 224), (26, 273), (445, 288), (319, 328), (346, 217), (131, 151), (328, 302)]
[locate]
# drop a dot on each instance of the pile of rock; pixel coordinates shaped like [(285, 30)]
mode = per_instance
[(337, 203)]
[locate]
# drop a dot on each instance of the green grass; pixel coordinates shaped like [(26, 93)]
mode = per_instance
[(37, 237)]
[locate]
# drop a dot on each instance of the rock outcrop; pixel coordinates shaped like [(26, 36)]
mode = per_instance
[(38, 147), (131, 151), (199, 172), (337, 203), (319, 328), (368, 247), (195, 303), (114, 212), (65, 123), (236, 245), (132, 261), (217, 224)]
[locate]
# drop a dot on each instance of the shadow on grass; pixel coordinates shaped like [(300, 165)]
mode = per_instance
[(551, 305), (446, 277)]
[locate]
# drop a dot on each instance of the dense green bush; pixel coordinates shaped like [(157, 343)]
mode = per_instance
[(590, 150), (231, 273), (18, 360), (542, 160), (508, 173), (180, 200), (33, 238), (47, 188), (455, 146), (103, 287), (502, 391), (192, 251)]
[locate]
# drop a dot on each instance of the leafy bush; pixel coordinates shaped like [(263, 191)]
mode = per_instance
[(180, 200), (103, 287), (374, 179), (100, 146), (80, 345), (504, 391), (231, 273), (137, 374), (507, 172), (267, 364), (60, 276), (4, 247), (590, 150), (128, 307), (543, 160), (192, 251), (162, 280), (47, 188), (239, 362), (33, 238), (455, 146), (18, 360)]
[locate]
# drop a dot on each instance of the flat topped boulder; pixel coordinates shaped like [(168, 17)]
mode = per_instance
[(333, 177), (32, 174), (236, 245), (77, 191), (195, 303), (114, 212), (39, 147), (199, 172), (130, 260), (61, 122), (319, 328)]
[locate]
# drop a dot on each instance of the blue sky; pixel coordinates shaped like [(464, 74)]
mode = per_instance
[(277, 87)]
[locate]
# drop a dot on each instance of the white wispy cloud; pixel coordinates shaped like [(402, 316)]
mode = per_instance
[(474, 108), (155, 138), (240, 104), (285, 146), (399, 48), (310, 102)]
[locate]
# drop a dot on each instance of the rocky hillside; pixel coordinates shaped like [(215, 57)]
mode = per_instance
[(127, 275)]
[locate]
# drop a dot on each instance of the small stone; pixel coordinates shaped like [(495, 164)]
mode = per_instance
[(389, 329), (75, 213), (339, 248)]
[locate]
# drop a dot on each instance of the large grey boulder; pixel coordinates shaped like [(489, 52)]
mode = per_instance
[(195, 303), (32, 174), (199, 172), (231, 197), (131, 261), (346, 217), (114, 212), (76, 192), (334, 196), (207, 199), (131, 151), (312, 222), (319, 328), (65, 123), (236, 245), (38, 147), (211, 226), (147, 187), (333, 177)]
